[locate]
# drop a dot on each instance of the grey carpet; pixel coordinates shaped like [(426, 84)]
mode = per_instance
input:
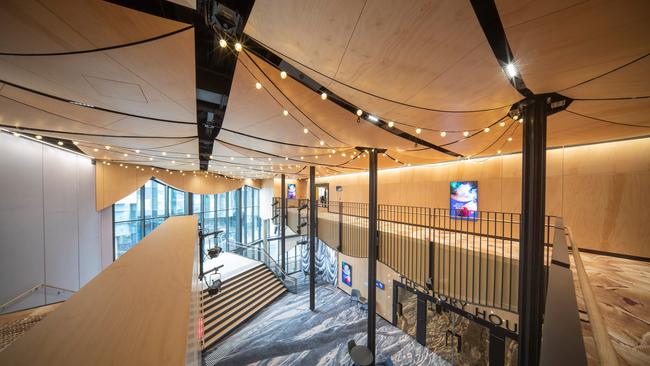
[(288, 333)]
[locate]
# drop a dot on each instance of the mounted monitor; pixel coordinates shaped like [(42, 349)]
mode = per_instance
[(463, 200), (291, 191)]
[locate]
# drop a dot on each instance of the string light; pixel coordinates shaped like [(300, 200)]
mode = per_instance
[(359, 112), (521, 120), (322, 142), (486, 129), (223, 43), (466, 133), (499, 152), (258, 85), (16, 134), (95, 149), (164, 153), (443, 134), (210, 157), (502, 124), (60, 143), (137, 151), (125, 155), (238, 47), (283, 74), (285, 112), (323, 96), (305, 130), (188, 155), (391, 124), (418, 130), (75, 143), (107, 147), (150, 159), (173, 162), (509, 139), (39, 137), (343, 154)]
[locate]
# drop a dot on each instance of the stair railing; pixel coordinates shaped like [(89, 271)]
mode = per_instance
[(30, 291), (256, 253)]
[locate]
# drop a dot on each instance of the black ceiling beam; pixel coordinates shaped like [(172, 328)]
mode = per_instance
[(281, 64), (490, 21), (215, 66)]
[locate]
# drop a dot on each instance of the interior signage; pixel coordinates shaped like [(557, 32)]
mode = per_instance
[(380, 285), (339, 188)]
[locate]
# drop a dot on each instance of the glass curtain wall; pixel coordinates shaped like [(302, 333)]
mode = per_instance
[(236, 213)]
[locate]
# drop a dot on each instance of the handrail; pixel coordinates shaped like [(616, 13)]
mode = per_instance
[(31, 290), (283, 275), (604, 347)]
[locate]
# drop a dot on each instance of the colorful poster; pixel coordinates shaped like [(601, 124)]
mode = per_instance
[(291, 191), (346, 274), (463, 200)]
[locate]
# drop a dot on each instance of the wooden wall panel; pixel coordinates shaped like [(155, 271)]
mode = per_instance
[(601, 190)]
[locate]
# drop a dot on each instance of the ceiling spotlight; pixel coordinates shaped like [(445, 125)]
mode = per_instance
[(258, 86), (521, 120), (223, 43), (60, 143), (418, 130), (210, 157), (137, 151), (238, 47), (107, 147), (359, 112), (511, 70), (391, 124), (305, 130), (323, 96), (283, 74), (75, 143), (466, 133), (502, 124), (39, 137), (443, 134), (164, 153), (486, 129), (285, 112)]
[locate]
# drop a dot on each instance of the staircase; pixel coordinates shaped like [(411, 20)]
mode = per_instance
[(239, 299)]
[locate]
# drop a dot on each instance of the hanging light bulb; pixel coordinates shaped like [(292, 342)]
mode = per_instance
[(521, 120), (359, 112), (107, 147), (283, 74), (502, 124), (150, 159), (329, 156), (75, 143), (323, 96), (509, 139), (164, 153), (223, 43), (305, 130), (60, 143), (499, 152), (343, 154), (391, 124), (238, 47), (322, 142), (258, 85), (137, 151), (466, 133), (285, 112), (187, 155), (286, 158), (333, 151), (39, 137), (486, 129), (443, 134), (418, 130), (125, 155), (95, 149), (210, 157)]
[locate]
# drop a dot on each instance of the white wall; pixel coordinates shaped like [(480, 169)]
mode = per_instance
[(49, 230)]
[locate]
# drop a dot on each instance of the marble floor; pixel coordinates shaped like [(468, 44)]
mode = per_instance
[(622, 287), (288, 333)]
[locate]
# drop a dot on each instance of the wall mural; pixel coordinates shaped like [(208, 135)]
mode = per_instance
[(326, 263)]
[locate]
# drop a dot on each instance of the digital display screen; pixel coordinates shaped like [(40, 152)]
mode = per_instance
[(463, 199), (291, 191)]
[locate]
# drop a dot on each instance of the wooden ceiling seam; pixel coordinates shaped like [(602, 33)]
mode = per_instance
[(99, 49)]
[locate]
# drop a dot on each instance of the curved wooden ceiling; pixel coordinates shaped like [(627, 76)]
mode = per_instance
[(420, 64)]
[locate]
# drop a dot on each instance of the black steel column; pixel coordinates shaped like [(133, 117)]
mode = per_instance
[(372, 248), (190, 203), (421, 319), (531, 248), (283, 222), (312, 237)]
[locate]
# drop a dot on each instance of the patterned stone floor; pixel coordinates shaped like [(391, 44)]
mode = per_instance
[(622, 287), (288, 333)]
